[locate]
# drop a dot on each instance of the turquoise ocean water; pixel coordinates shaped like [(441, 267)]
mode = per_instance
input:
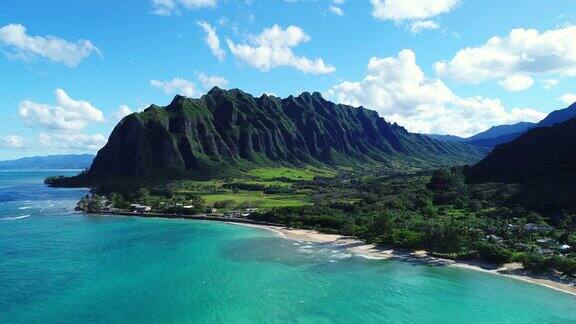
[(57, 265)]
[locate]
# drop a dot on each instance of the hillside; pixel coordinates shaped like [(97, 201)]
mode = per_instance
[(501, 130), (540, 154), (232, 130), (543, 160), (69, 161), (558, 116)]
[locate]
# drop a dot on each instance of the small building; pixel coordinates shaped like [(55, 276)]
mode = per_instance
[(214, 211), (565, 247), (140, 208), (531, 227), (547, 241), (545, 251)]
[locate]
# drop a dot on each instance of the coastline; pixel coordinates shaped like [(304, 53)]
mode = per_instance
[(371, 251)]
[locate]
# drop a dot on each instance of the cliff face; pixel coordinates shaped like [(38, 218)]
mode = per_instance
[(231, 128)]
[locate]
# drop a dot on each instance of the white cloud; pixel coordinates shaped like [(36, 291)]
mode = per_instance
[(523, 52), (400, 91), (23, 46), (74, 142), (517, 82), (336, 10), (210, 81), (169, 7), (122, 112), (568, 98), (176, 86), (12, 142), (67, 115), (193, 4), (401, 10), (419, 25), (273, 48), (164, 7), (416, 13), (550, 83), (212, 40)]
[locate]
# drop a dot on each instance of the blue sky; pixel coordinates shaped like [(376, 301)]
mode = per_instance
[(71, 69)]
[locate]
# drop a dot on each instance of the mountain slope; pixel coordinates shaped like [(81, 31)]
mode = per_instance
[(541, 154), (446, 138), (558, 116), (70, 161), (501, 130), (232, 129)]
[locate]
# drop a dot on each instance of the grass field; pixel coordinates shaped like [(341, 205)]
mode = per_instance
[(258, 199), (294, 174)]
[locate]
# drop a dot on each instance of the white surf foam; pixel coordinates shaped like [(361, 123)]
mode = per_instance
[(14, 218)]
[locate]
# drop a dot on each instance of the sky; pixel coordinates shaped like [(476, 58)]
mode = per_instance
[(70, 70)]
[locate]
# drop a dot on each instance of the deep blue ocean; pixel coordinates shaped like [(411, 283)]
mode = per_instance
[(61, 266)]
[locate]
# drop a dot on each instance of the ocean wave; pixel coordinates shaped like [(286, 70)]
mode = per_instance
[(24, 207), (14, 218)]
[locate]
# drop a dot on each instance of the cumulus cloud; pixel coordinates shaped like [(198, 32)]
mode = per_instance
[(417, 13), (517, 82), (169, 7), (67, 115), (176, 86), (524, 52), (212, 40), (568, 98), (210, 81), (22, 46), (12, 142), (400, 91), (273, 48), (71, 142)]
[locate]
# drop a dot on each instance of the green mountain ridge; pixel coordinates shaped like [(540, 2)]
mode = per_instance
[(229, 130)]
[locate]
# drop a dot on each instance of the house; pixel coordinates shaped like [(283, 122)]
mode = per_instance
[(531, 227), (565, 247), (545, 251), (547, 241), (214, 211), (140, 208)]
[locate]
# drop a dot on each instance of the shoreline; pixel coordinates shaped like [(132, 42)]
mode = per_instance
[(371, 251)]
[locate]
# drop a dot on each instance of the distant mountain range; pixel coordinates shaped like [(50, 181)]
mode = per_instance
[(506, 133), (70, 161), (232, 130)]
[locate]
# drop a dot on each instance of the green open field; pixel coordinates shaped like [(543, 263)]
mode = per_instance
[(294, 174), (259, 199)]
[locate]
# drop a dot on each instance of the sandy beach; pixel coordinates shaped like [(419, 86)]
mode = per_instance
[(358, 247)]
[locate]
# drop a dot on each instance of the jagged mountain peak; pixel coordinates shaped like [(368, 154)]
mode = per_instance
[(232, 129)]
